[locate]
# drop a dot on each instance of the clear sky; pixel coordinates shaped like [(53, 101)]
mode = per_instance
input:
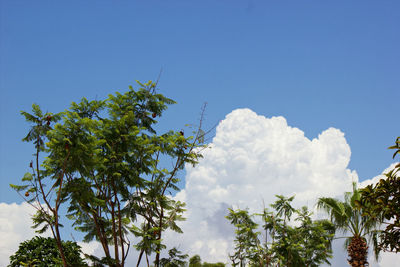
[(319, 64)]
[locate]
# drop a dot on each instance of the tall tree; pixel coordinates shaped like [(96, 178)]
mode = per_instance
[(308, 244), (112, 169), (246, 242), (382, 201), (348, 219), (121, 170), (43, 186)]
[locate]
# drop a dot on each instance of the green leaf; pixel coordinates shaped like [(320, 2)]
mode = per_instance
[(27, 177), (18, 187)]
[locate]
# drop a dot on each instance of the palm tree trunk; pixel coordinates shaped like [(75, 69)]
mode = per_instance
[(358, 252)]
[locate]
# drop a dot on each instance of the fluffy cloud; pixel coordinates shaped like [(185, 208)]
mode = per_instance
[(91, 248), (251, 159), (15, 227), (376, 179)]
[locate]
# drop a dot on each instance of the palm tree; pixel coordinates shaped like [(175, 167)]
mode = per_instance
[(348, 219)]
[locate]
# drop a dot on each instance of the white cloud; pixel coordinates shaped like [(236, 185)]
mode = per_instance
[(91, 248), (388, 259), (376, 179), (252, 158), (15, 227)]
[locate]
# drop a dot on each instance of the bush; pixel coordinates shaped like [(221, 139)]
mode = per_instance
[(40, 251)]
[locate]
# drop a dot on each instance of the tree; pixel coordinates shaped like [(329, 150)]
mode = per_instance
[(246, 241), (109, 166), (316, 237), (382, 202), (175, 259), (308, 244), (40, 251), (348, 219), (195, 261), (34, 191), (218, 264)]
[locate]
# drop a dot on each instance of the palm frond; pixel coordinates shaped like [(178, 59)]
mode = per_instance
[(337, 211)]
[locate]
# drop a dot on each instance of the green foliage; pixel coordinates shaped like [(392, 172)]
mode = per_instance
[(175, 259), (46, 200), (109, 166), (347, 218), (247, 243), (218, 264), (382, 202), (40, 251), (195, 261), (308, 244)]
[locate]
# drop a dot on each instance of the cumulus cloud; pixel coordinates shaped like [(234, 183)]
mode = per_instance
[(15, 227), (251, 159), (15, 222), (91, 248), (376, 179)]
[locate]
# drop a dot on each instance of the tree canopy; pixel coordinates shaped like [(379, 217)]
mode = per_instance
[(349, 220), (382, 201), (285, 244), (105, 161), (43, 252), (195, 261)]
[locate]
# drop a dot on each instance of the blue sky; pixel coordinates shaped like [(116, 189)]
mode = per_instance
[(319, 64)]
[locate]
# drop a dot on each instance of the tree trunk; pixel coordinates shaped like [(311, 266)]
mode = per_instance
[(59, 245), (358, 252)]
